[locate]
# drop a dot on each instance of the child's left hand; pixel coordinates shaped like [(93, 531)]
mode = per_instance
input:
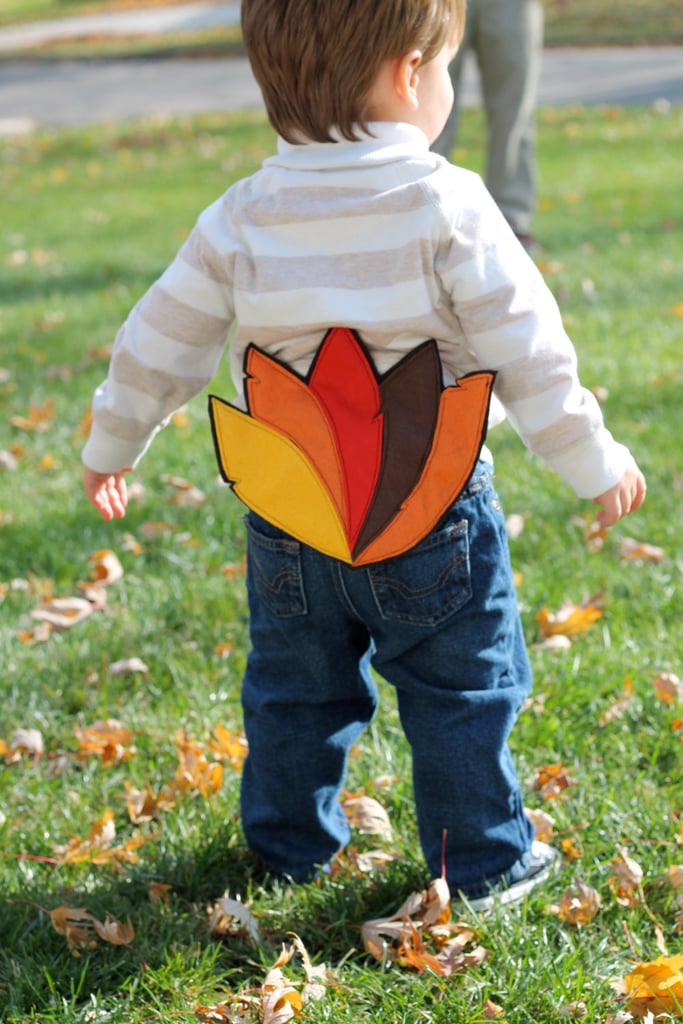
[(107, 492)]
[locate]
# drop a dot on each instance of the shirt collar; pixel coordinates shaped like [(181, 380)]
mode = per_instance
[(384, 142)]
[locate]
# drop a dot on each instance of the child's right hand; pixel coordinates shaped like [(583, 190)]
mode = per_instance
[(107, 492), (625, 497)]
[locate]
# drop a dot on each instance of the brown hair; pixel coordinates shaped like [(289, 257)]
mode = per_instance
[(316, 60)]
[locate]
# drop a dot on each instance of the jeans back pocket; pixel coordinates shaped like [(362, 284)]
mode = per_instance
[(274, 573), (427, 584)]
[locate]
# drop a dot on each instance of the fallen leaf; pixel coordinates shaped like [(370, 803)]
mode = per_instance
[(114, 932), (571, 618), (544, 823), (77, 926), (26, 741), (186, 493), (368, 816), (579, 905), (120, 668), (105, 567), (618, 706), (100, 835), (552, 780), (107, 739), (39, 417), (63, 612), (656, 986), (228, 746), (676, 876), (627, 879), (232, 917), (668, 687), (159, 892), (638, 551)]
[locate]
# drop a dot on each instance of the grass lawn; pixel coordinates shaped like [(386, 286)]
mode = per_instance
[(576, 22), (87, 220)]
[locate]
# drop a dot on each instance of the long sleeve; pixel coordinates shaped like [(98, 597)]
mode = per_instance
[(513, 325), (167, 350)]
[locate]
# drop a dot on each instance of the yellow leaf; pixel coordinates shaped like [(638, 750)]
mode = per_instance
[(100, 836), (656, 986), (677, 310), (570, 619), (107, 739), (229, 746)]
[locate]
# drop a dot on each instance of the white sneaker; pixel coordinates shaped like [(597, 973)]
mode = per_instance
[(544, 860)]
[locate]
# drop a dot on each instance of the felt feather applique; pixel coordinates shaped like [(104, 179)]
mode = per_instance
[(357, 465)]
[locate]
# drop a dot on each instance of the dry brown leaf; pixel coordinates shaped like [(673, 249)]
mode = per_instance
[(107, 739), (618, 706), (141, 803), (556, 642), (126, 665), (668, 687), (26, 741), (626, 882), (232, 917), (100, 836), (676, 876), (186, 493), (39, 417), (280, 1000), (573, 1011), (368, 816), (159, 892), (64, 612), (115, 933), (492, 1011), (77, 927), (579, 905), (544, 823), (421, 935), (105, 567), (638, 551), (552, 780)]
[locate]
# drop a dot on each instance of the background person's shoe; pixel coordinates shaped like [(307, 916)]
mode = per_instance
[(544, 860)]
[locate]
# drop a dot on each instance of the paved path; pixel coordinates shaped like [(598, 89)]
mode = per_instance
[(59, 93)]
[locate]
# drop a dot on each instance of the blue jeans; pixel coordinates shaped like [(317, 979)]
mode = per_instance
[(440, 624)]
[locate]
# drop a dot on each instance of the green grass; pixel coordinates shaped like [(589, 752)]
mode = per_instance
[(576, 23), (87, 220)]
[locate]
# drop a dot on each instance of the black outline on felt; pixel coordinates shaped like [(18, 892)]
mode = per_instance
[(379, 378)]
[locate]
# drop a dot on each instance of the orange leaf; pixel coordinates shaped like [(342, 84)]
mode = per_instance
[(656, 986), (570, 619), (579, 905), (668, 687), (638, 551)]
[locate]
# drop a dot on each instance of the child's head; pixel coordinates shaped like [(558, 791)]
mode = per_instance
[(316, 60)]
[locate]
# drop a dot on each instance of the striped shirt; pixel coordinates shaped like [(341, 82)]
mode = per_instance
[(379, 235)]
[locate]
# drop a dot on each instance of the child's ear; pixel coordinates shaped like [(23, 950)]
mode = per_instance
[(406, 77)]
